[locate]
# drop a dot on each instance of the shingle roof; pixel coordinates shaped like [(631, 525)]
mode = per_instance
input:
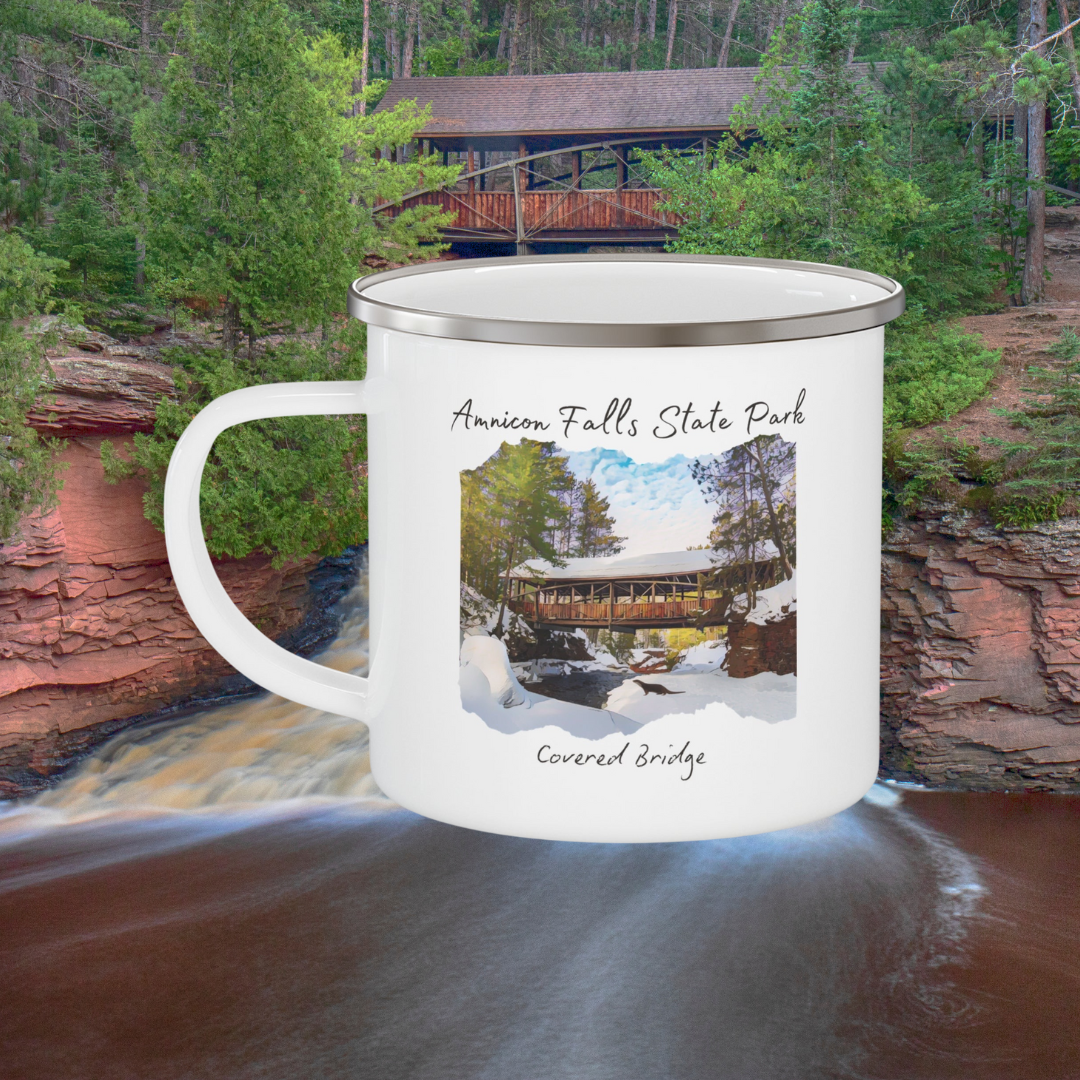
[(658, 564), (604, 102)]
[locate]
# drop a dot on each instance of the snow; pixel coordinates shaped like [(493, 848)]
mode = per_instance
[(657, 564), (606, 660), (766, 696), (702, 658), (772, 604), (479, 615), (488, 655), (490, 689)]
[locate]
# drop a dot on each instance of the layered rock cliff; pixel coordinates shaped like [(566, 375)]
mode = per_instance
[(981, 654), (92, 632)]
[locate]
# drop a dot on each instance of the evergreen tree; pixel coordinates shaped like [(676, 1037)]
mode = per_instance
[(28, 472), (86, 229), (512, 509), (290, 486), (753, 487), (261, 181), (817, 185), (594, 526)]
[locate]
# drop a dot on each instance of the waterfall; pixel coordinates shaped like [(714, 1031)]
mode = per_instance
[(260, 750)]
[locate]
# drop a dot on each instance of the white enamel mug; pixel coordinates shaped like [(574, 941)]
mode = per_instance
[(624, 539)]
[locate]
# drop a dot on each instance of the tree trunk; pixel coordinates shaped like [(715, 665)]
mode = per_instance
[(855, 34), (230, 326), (466, 31), (652, 20), (774, 525), (505, 588), (395, 52), (515, 38), (586, 23), (1020, 126), (144, 26), (635, 37), (410, 40), (365, 59), (725, 46), (672, 21), (1034, 285), (1070, 51), (500, 51)]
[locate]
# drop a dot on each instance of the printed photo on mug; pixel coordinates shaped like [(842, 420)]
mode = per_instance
[(599, 594)]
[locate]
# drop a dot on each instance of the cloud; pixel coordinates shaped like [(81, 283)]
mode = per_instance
[(657, 506)]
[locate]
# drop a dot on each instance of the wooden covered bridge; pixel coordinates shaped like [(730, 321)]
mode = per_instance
[(661, 591), (550, 158)]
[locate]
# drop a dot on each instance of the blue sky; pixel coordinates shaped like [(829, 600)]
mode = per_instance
[(657, 506)]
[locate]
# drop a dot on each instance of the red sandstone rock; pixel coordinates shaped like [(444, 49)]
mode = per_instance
[(981, 654), (91, 628), (757, 647), (101, 394)]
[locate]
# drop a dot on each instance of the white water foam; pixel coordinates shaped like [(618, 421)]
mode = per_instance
[(259, 752)]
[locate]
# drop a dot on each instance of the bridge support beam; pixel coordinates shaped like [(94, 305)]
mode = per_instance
[(519, 215)]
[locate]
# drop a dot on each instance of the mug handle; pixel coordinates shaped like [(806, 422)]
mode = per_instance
[(218, 619)]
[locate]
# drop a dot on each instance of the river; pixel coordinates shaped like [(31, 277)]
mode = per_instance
[(228, 896)]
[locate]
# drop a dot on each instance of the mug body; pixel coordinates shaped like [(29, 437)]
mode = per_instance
[(624, 592)]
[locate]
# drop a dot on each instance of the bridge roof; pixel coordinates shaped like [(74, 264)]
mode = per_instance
[(619, 567), (594, 102)]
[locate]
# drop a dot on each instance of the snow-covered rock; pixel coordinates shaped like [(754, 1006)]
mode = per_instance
[(480, 613), (772, 604), (765, 639), (488, 655), (490, 689), (703, 658)]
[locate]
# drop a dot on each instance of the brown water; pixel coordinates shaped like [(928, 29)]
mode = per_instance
[(229, 896)]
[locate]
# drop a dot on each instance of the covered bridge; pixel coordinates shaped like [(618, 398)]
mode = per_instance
[(549, 158), (664, 590)]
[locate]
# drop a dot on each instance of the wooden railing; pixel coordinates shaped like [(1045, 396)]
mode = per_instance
[(603, 613), (594, 210)]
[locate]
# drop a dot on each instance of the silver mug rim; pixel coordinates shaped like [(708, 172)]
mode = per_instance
[(844, 320)]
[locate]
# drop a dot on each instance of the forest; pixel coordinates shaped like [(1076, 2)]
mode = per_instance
[(217, 163)]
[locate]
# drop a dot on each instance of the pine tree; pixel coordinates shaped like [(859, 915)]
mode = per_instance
[(261, 181), (28, 471), (86, 228), (753, 487), (594, 528), (513, 508)]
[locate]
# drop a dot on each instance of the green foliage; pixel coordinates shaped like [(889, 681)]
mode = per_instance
[(24, 165), (86, 228), (817, 186), (1019, 482), (932, 371), (261, 181), (450, 57), (511, 510), (524, 502), (889, 174), (618, 643), (28, 470), (290, 487)]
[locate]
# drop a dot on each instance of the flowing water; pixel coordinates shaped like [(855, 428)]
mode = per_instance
[(229, 896), (589, 688)]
